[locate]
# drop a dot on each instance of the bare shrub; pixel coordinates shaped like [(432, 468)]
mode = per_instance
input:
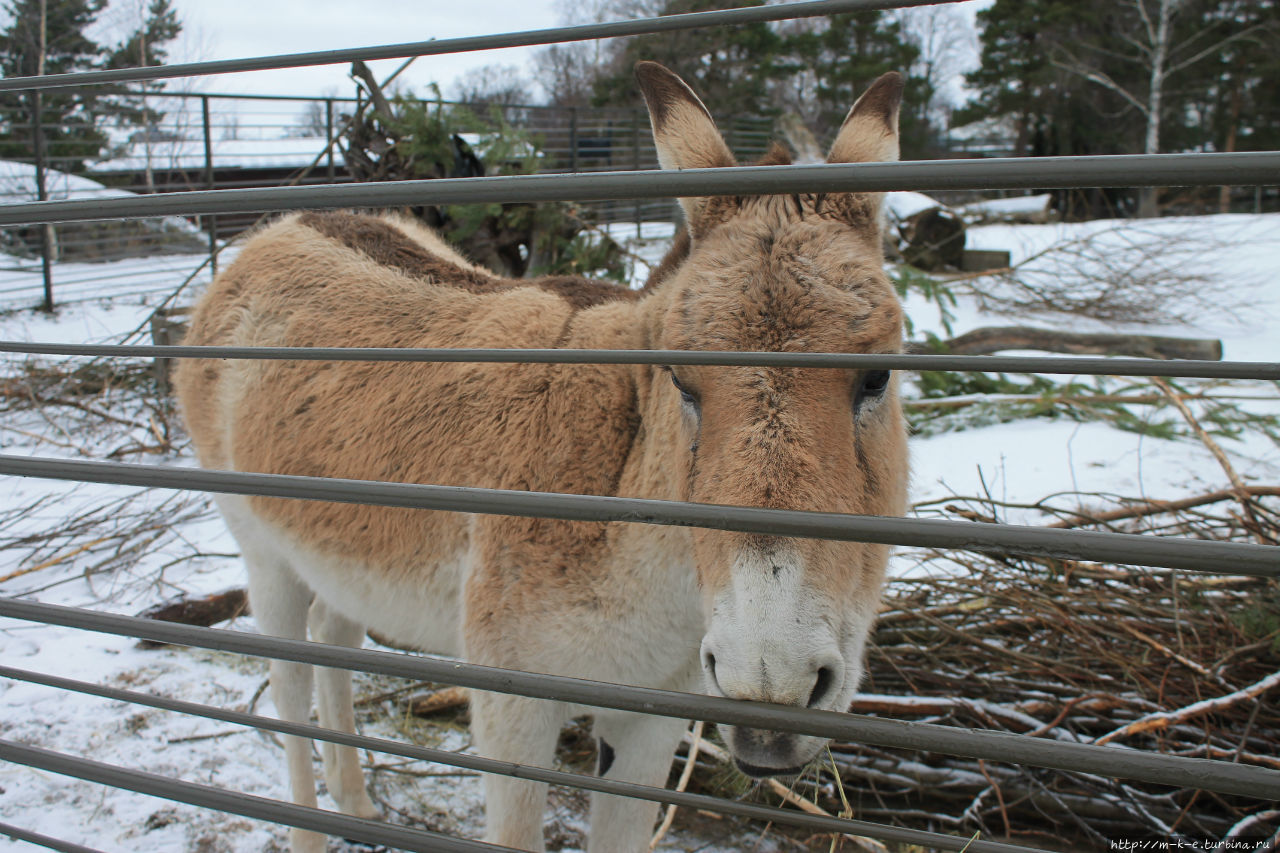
[(1132, 275)]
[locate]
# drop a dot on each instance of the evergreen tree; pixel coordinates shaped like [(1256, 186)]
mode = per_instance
[(52, 43), (49, 37), (813, 68), (145, 45), (834, 60), (731, 68), (1235, 97), (1135, 76), (1053, 112)]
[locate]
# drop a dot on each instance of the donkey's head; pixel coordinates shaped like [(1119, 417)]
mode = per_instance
[(787, 619)]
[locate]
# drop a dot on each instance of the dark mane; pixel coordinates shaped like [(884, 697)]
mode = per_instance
[(388, 246), (679, 251)]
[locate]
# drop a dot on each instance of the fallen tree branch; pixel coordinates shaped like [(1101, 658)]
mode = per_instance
[(1246, 505), (53, 561), (695, 742), (445, 699), (1163, 720), (993, 339), (1157, 507), (206, 611)]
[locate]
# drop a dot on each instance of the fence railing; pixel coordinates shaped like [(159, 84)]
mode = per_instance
[(176, 142), (1205, 169)]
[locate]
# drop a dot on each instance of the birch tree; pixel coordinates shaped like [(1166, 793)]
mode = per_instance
[(1152, 44)]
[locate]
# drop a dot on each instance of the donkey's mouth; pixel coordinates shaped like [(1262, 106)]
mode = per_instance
[(763, 754), (757, 772)]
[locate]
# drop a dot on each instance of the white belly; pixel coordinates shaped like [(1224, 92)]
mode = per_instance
[(421, 608)]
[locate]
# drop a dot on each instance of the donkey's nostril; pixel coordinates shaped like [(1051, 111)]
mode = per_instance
[(709, 668), (826, 678)]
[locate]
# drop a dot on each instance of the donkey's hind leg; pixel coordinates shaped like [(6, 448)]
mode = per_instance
[(632, 748), (279, 601), (341, 763)]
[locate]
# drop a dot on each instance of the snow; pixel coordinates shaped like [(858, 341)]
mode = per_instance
[(161, 544), (903, 205), (18, 184), (268, 152), (1022, 207)]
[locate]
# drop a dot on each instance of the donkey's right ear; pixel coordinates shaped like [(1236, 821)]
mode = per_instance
[(683, 130)]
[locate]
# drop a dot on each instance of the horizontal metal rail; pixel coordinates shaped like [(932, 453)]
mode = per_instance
[(438, 47), (1071, 365), (1115, 170), (1220, 776), (816, 823), (245, 805), (17, 833), (1228, 558)]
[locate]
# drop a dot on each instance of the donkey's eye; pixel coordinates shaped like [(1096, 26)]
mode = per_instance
[(686, 395), (874, 383)]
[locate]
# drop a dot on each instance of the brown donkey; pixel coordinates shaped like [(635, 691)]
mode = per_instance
[(764, 618)]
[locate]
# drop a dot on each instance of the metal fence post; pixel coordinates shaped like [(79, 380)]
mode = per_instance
[(46, 231), (209, 183), (328, 132), (635, 163), (573, 139)]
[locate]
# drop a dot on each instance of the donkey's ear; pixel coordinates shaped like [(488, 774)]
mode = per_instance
[(870, 131), (683, 130)]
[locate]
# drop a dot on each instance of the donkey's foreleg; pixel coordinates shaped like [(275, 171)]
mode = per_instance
[(280, 602), (523, 731), (334, 707), (632, 748)]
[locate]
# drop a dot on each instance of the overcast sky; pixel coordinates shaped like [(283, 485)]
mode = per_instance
[(230, 29)]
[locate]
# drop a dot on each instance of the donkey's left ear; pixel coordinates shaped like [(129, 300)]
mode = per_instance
[(870, 131)]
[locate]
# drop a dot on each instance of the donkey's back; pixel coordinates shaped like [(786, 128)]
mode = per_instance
[(341, 279)]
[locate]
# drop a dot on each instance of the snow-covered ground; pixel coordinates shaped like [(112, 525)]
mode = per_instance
[(131, 549)]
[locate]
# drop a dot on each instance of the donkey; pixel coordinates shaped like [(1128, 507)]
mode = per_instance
[(755, 617)]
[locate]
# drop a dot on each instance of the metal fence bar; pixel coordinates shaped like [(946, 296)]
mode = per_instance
[(46, 233), (1220, 776), (437, 47), (1114, 170), (1073, 365), (17, 833), (816, 823), (1213, 557), (245, 805)]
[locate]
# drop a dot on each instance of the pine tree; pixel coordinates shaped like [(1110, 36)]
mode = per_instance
[(731, 68), (48, 37), (834, 61), (1129, 76), (145, 45)]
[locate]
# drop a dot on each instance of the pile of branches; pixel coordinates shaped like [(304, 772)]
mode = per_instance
[(1165, 662), (1177, 663)]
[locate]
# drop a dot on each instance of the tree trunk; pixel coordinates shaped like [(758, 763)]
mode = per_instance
[(993, 339), (1229, 144), (210, 610), (1148, 204)]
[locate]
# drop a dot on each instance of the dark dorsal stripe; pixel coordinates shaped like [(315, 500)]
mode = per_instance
[(387, 246)]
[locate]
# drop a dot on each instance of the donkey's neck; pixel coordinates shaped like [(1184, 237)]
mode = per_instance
[(671, 261)]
